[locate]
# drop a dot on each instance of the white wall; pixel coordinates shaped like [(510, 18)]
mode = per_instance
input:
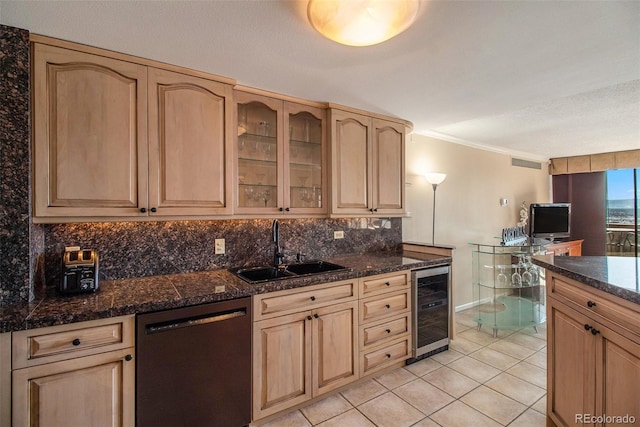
[(467, 202)]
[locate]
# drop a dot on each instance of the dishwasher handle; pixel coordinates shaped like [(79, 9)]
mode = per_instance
[(156, 328)]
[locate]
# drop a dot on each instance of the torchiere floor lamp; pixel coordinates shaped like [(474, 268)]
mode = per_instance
[(434, 179)]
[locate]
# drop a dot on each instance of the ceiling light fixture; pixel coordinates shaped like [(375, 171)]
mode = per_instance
[(362, 22)]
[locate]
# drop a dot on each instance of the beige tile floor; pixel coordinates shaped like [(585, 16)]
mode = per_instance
[(479, 381)]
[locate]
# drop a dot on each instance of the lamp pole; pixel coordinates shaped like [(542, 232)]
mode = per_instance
[(433, 225), (434, 179)]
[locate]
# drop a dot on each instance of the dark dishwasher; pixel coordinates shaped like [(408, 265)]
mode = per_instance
[(194, 366)]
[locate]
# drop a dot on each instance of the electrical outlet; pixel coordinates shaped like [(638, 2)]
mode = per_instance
[(218, 289), (338, 234), (219, 247)]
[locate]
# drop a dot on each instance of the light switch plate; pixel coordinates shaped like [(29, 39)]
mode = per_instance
[(219, 247), (338, 234)]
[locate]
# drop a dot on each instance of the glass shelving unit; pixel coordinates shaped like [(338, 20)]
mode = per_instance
[(508, 290)]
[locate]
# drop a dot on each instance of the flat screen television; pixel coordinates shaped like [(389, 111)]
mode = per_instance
[(550, 220)]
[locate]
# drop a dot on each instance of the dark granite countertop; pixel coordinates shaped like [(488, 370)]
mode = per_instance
[(619, 276), (146, 294)]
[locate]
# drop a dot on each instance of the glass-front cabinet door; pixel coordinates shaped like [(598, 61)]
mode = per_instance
[(258, 153), (305, 159), (280, 156)]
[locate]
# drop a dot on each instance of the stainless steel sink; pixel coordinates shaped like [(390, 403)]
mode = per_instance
[(268, 273)]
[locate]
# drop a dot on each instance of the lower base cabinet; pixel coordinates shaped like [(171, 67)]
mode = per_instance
[(307, 341), (593, 361), (302, 355), (81, 374)]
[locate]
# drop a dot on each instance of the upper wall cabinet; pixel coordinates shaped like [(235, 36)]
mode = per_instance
[(113, 138), (280, 157), (188, 144), (90, 134), (367, 165)]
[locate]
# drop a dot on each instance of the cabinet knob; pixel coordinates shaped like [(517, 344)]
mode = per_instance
[(128, 357), (591, 304), (313, 298), (388, 331), (388, 284), (388, 356), (375, 209), (153, 210), (287, 209), (143, 210), (594, 331), (281, 209), (75, 342), (387, 305), (587, 327), (309, 317), (316, 315)]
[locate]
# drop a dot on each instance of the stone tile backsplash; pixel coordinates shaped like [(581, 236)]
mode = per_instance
[(138, 249)]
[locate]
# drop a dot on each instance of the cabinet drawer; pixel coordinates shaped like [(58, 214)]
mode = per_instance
[(295, 300), (382, 331), (592, 302), (383, 306), (384, 283), (46, 345), (383, 357)]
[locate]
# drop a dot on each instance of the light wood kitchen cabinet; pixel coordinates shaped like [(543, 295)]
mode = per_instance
[(367, 165), (115, 138), (189, 145), (76, 374), (385, 321), (90, 134), (593, 356), (280, 157), (301, 355)]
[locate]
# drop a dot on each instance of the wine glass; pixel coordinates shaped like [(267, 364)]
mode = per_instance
[(266, 195), (266, 148), (501, 277), (516, 278)]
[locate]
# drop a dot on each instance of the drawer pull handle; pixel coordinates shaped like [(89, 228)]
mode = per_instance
[(594, 331), (316, 315), (313, 298), (587, 327), (388, 331), (387, 305), (128, 357), (388, 356), (309, 317), (388, 284), (591, 304), (75, 342)]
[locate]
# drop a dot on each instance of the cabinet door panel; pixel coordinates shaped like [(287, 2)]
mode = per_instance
[(90, 134), (188, 144), (281, 372), (571, 377), (89, 391), (335, 347), (621, 376), (388, 166), (351, 156)]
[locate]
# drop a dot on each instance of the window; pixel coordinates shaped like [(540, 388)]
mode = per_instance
[(623, 206)]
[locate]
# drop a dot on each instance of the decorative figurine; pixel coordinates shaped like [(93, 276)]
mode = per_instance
[(524, 215)]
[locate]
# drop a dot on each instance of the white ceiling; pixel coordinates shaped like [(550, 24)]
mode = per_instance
[(538, 79)]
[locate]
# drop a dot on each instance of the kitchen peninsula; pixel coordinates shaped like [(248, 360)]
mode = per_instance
[(593, 315)]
